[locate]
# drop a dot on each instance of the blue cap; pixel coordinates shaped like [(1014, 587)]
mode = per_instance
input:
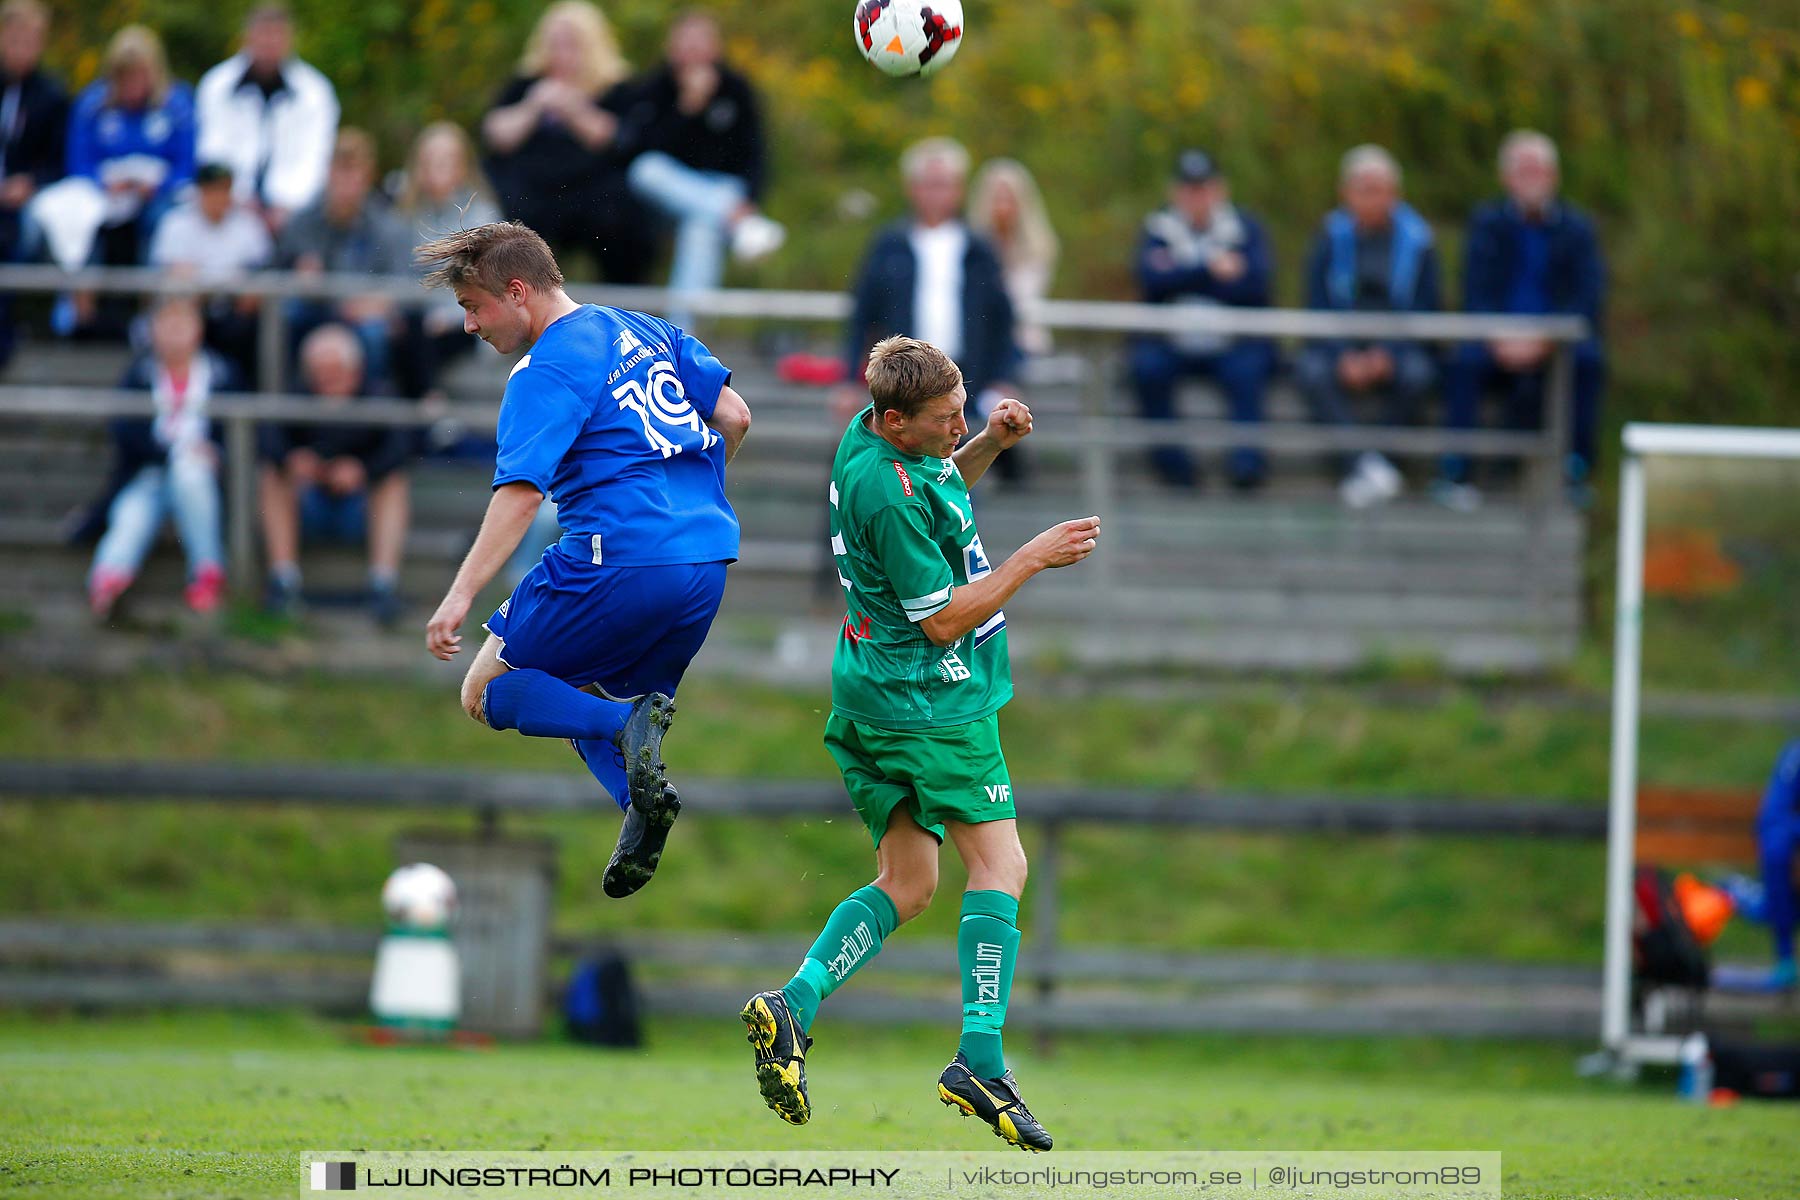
[(1195, 166)]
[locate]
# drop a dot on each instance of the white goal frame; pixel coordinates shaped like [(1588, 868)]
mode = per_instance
[(1626, 1045)]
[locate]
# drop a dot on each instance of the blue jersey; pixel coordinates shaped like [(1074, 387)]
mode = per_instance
[(607, 416)]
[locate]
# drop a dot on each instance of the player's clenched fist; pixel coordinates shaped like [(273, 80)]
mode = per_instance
[(1009, 423), (1066, 544)]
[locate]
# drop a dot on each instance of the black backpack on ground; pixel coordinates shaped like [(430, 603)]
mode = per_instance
[(1756, 1068), (601, 1004)]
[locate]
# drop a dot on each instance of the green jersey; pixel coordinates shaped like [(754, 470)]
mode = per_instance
[(903, 536)]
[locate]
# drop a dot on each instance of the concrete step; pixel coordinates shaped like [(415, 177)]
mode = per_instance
[(1205, 608), (798, 651), (1400, 531)]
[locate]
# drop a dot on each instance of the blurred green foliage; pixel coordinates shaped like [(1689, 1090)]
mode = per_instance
[(1679, 123)]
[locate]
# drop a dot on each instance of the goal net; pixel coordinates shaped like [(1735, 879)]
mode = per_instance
[(1706, 676)]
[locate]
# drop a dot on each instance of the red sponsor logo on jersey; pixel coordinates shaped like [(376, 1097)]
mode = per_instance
[(853, 631), (905, 479)]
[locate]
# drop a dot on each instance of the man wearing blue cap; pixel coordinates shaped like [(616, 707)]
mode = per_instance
[(1202, 251)]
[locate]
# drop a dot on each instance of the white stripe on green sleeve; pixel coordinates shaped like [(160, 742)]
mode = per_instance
[(920, 607)]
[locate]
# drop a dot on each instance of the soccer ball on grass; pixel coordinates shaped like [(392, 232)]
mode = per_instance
[(904, 37)]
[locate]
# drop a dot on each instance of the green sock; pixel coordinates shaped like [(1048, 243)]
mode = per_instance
[(851, 937), (987, 948)]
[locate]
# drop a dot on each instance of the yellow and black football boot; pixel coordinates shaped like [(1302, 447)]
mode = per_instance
[(996, 1101), (781, 1048)]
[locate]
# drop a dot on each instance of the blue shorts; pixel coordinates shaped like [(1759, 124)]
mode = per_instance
[(331, 518), (628, 630)]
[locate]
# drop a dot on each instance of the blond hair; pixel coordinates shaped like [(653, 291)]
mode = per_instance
[(602, 63), (905, 374), (1036, 240), (475, 184), (490, 257), (137, 45)]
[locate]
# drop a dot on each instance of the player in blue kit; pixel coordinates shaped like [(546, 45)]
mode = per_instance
[(627, 423)]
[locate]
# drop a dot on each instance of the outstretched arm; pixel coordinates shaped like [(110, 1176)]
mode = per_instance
[(509, 515), (972, 604), (1007, 425)]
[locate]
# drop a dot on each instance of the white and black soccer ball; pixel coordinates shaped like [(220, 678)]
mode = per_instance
[(907, 37), (419, 896)]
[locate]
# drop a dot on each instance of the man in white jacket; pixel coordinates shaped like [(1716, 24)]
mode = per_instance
[(270, 116)]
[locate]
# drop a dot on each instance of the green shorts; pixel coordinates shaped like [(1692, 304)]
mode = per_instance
[(955, 773)]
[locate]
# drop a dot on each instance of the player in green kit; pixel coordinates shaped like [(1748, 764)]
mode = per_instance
[(917, 682)]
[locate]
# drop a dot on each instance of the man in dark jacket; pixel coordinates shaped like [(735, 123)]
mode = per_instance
[(695, 127), (34, 116), (1201, 251), (1373, 254), (928, 276), (342, 482), (1529, 253)]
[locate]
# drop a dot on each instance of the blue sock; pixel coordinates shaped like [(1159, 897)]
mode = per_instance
[(603, 763), (541, 705)]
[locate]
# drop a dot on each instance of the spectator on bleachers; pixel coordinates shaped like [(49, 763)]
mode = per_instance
[(166, 464), (131, 146), (1006, 208), (695, 128), (1201, 250), (927, 276), (443, 192), (336, 482), (350, 230), (1530, 253), (33, 131), (552, 135), (132, 132), (1372, 254), (212, 239), (271, 116)]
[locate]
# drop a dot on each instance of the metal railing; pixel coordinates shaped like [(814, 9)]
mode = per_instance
[(1094, 439)]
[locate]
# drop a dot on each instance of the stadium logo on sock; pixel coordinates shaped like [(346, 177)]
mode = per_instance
[(854, 947), (987, 973), (333, 1177)]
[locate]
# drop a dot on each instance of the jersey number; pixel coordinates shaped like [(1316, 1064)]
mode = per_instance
[(976, 560), (661, 402)]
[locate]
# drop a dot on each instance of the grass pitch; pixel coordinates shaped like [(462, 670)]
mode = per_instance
[(216, 1105)]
